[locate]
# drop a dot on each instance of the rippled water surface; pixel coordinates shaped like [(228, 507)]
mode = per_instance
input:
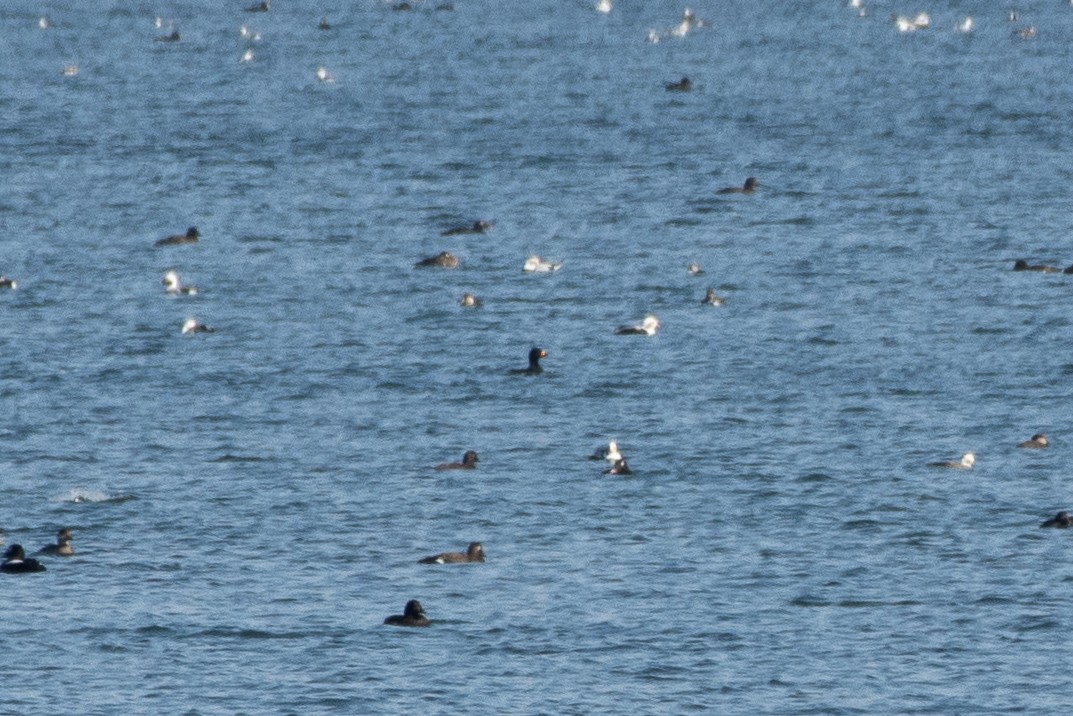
[(249, 504)]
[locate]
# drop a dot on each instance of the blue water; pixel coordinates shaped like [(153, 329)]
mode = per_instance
[(248, 505)]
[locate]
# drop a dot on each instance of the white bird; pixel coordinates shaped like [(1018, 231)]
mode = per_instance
[(70, 70), (647, 327), (535, 264), (193, 326), (247, 56), (603, 6), (965, 25), (967, 460), (173, 286), (42, 22), (323, 75)]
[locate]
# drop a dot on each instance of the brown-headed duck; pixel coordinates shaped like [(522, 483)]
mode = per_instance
[(746, 188), (444, 259), (711, 299), (1039, 440), (474, 553), (16, 561), (469, 462), (479, 227), (62, 548), (413, 615), (647, 327), (190, 237), (1061, 519), (534, 367), (967, 461)]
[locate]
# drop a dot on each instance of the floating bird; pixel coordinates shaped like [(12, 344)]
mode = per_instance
[(608, 452), (694, 270), (70, 70), (1039, 440), (534, 368), (967, 461), (6, 282), (746, 188), (603, 6), (323, 75), (535, 264), (62, 548), (469, 462), (711, 299), (190, 237), (444, 259), (262, 6), (1022, 265), (173, 36), (42, 22), (247, 56), (965, 25), (470, 301), (413, 615), (193, 326), (16, 561), (173, 286), (683, 85), (478, 227), (619, 468), (473, 553), (647, 327), (1061, 519), (323, 24)]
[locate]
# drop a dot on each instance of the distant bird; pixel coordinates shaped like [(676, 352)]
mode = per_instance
[(534, 367), (473, 553), (603, 6), (16, 561), (683, 85), (535, 264), (259, 7), (174, 287), (965, 25), (42, 22), (694, 270), (70, 70), (1039, 440), (323, 24), (413, 615), (478, 227), (647, 327), (608, 452), (470, 301), (469, 462), (6, 282), (174, 36), (711, 299), (746, 188), (967, 461), (192, 325), (62, 548), (444, 259), (324, 76), (190, 237), (619, 468), (1027, 32), (1022, 265), (247, 56), (1061, 519)]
